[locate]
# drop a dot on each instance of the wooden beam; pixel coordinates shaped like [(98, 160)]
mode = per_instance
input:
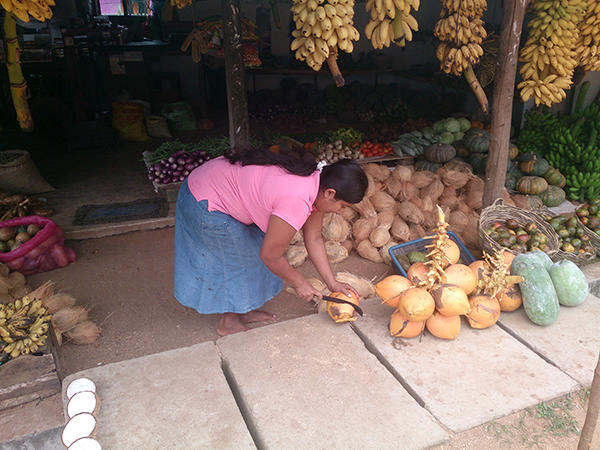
[(237, 104), (504, 89), (591, 427)]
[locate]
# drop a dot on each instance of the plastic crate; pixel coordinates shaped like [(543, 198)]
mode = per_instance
[(418, 245)]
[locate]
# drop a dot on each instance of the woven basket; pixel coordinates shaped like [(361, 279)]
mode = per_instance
[(577, 258), (499, 212)]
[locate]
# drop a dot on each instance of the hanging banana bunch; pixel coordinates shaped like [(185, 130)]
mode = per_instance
[(23, 9), (461, 32), (588, 47), (549, 57), (391, 22), (322, 28), (180, 4), (198, 44)]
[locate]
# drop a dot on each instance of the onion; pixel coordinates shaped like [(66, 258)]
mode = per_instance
[(181, 161), (190, 167), (186, 172), (171, 159)]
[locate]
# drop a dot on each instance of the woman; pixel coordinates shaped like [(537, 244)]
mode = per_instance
[(236, 216)]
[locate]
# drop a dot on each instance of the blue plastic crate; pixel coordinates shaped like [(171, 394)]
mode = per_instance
[(418, 245)]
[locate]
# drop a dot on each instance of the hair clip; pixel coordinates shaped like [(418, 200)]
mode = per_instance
[(321, 164)]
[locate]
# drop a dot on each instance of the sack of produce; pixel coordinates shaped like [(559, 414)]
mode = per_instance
[(19, 175), (157, 127), (180, 116), (128, 121), (33, 244)]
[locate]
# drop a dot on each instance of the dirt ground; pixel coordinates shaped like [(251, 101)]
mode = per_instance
[(127, 283)]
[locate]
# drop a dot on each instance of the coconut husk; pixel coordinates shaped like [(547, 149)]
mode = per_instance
[(475, 184), (4, 270), (366, 250), (433, 190), (409, 212), (384, 252), (5, 285), (20, 292), (470, 234), (384, 172), (365, 207), (458, 221), (422, 178), (363, 287), (371, 186), (66, 318), (348, 214), (361, 229), (475, 199), (5, 297), (58, 301), (393, 186), (416, 231), (408, 191), (298, 238), (385, 218), (455, 179), (428, 204), (382, 200), (16, 279), (335, 228), (527, 201), (314, 282), (348, 244), (449, 198), (85, 332), (379, 237), (418, 202), (400, 230), (509, 201), (462, 205), (402, 173), (336, 252), (379, 172), (296, 255), (44, 291), (430, 221)]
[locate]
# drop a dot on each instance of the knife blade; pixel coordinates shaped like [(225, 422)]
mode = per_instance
[(357, 308)]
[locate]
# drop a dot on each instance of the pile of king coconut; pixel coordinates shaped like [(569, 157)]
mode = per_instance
[(399, 206)]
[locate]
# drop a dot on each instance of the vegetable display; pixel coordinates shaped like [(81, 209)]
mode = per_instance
[(571, 235), (518, 238)]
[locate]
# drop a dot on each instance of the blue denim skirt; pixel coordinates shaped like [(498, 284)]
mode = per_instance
[(217, 264)]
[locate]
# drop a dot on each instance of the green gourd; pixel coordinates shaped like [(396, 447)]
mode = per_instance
[(536, 257), (569, 282), (553, 196), (540, 300)]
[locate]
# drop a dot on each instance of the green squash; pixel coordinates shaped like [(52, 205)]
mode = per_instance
[(465, 124), (540, 300), (423, 164), (569, 282), (535, 166), (477, 140), (478, 161), (513, 169), (513, 151), (510, 182), (553, 196), (461, 149), (531, 185), (439, 153), (555, 178), (527, 156)]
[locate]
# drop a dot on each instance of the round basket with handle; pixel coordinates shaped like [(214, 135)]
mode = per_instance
[(499, 212), (577, 258)]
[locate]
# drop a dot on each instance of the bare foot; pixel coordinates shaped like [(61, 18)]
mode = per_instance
[(230, 323), (257, 316)]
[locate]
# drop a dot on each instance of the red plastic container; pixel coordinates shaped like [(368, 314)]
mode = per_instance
[(43, 252)]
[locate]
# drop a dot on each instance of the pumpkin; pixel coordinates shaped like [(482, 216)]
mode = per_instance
[(417, 272), (510, 298), (477, 124), (443, 327), (513, 169), (416, 304), (535, 166), (531, 185), (461, 149), (423, 164), (341, 312), (400, 326), (451, 300), (390, 288), (479, 162), (510, 181), (553, 196), (461, 276), (477, 140), (439, 153), (555, 178), (513, 151), (527, 156), (485, 311)]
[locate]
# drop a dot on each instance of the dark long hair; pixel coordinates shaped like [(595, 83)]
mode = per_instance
[(264, 157), (347, 178)]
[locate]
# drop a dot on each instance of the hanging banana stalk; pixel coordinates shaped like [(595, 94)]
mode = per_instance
[(18, 85)]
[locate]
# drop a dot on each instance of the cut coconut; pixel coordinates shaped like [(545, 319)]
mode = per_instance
[(79, 426), (86, 443), (80, 385), (83, 402)]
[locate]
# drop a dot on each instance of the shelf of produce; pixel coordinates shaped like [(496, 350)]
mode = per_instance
[(397, 160)]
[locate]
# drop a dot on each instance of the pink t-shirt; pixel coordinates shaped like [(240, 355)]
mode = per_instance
[(251, 194)]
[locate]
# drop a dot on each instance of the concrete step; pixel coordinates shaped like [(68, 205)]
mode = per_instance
[(479, 376), (177, 399), (310, 383), (571, 343)]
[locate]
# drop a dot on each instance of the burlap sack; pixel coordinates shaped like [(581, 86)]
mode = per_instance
[(19, 175)]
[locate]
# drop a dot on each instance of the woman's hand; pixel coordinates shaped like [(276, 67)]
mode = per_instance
[(337, 286), (307, 292)]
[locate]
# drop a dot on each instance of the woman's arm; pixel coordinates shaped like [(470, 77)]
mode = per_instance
[(277, 239)]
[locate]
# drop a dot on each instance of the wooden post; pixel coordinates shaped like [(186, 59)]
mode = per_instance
[(504, 88), (237, 105), (590, 426)]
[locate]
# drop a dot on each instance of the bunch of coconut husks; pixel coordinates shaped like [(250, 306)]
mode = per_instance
[(28, 316), (399, 206)]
